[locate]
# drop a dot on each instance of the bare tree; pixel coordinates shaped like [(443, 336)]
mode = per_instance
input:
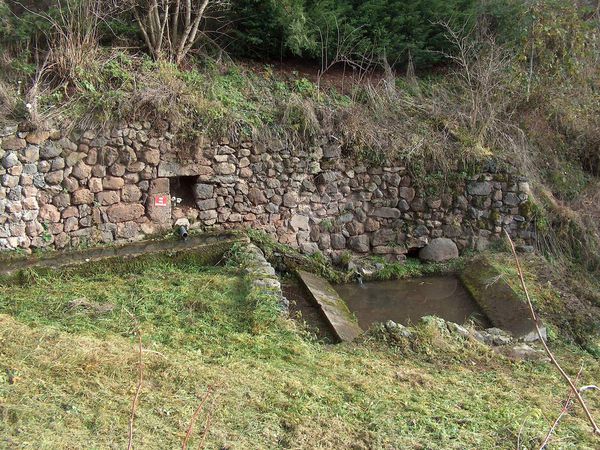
[(482, 71), (341, 45), (171, 28)]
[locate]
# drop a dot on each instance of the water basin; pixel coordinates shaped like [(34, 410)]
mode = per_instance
[(406, 301)]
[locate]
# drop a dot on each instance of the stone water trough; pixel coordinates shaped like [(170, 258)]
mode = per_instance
[(490, 297), (211, 245)]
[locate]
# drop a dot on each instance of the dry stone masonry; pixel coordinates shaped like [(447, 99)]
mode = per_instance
[(65, 191)]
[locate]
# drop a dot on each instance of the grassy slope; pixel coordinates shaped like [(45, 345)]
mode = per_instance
[(76, 375)]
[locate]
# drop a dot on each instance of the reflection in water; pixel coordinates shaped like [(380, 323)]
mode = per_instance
[(406, 301)]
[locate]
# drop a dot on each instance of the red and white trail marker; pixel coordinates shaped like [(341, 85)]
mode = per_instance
[(161, 200)]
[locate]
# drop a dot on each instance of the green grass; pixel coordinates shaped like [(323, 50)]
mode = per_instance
[(74, 375)]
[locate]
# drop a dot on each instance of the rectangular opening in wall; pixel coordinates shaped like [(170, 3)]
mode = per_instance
[(182, 190)]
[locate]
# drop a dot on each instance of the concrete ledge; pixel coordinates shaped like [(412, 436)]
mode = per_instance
[(334, 308), (213, 245), (499, 301)]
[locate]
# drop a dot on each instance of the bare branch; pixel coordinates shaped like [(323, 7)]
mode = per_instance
[(138, 389), (195, 417), (564, 410), (534, 317)]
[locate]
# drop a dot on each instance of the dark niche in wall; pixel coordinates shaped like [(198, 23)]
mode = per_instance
[(413, 252), (182, 190)]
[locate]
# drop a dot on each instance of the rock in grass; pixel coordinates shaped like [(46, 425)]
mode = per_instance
[(523, 352), (397, 331), (439, 250), (457, 329), (86, 306)]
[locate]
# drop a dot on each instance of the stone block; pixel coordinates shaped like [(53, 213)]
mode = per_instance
[(128, 230), (360, 243), (49, 150), (10, 181), (71, 224), (174, 169), (160, 186), (81, 171), (290, 199), (49, 213), (204, 205), (37, 137), (30, 154), (113, 183), (13, 143), (439, 250), (107, 156), (108, 198), (511, 199), (136, 167), (125, 212), (159, 214), (257, 197), (99, 171), (299, 222), (70, 211), (355, 228), (57, 163), (386, 213), (70, 184), (117, 170), (480, 188), (95, 185), (73, 158), (61, 200), (204, 191), (150, 156), (407, 193), (225, 168), (131, 193), (10, 159), (82, 197), (384, 237)]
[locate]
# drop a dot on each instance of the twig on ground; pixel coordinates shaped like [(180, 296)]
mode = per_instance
[(564, 410), (195, 417), (576, 392), (591, 387), (520, 433), (138, 389), (206, 429)]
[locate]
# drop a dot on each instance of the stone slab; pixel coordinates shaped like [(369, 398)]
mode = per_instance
[(334, 308), (501, 304)]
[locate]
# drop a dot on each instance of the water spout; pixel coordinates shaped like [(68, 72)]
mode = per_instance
[(359, 279), (183, 232)]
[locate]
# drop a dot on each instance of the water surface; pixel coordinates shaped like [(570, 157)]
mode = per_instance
[(406, 301)]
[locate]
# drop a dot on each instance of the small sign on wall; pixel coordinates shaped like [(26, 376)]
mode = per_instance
[(161, 200)]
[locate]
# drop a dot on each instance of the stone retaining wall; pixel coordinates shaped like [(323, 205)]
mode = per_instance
[(58, 192)]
